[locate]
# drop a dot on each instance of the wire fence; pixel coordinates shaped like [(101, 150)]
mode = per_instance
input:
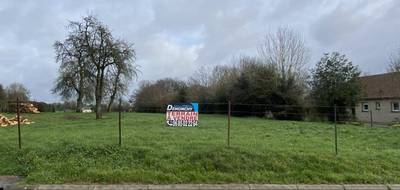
[(269, 111), (233, 124)]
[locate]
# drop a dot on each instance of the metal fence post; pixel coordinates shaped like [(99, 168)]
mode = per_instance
[(119, 123), (229, 122), (370, 116), (335, 115), (19, 125)]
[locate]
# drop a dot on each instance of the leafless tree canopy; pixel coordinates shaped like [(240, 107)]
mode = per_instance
[(17, 90), (118, 77), (74, 78), (201, 76), (394, 62), (93, 60), (285, 49)]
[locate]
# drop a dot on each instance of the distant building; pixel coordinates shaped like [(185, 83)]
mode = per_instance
[(380, 98)]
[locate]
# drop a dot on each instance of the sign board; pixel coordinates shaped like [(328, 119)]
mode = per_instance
[(182, 114)]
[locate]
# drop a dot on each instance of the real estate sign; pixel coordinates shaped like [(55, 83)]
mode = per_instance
[(182, 114)]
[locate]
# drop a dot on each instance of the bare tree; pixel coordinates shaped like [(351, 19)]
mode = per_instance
[(3, 98), (286, 50), (17, 90), (98, 43), (394, 62), (92, 60), (202, 76), (74, 72), (105, 54), (124, 71)]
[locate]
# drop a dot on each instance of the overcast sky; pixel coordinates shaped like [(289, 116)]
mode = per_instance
[(175, 37)]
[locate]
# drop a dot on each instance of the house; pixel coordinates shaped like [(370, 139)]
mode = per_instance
[(380, 98)]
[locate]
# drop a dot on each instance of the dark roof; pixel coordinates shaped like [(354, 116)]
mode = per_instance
[(380, 86)]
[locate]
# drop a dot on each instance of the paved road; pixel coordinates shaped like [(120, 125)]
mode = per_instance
[(6, 181), (10, 183)]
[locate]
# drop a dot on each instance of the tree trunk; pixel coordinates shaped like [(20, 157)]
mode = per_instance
[(79, 102), (98, 108), (111, 102), (98, 96), (115, 90), (99, 93), (114, 93)]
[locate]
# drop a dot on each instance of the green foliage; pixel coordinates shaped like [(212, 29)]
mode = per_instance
[(276, 76), (155, 95), (396, 125), (43, 106), (255, 84), (75, 148), (249, 81), (335, 81)]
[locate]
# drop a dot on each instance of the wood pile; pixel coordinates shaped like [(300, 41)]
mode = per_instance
[(24, 108), (28, 108), (4, 121)]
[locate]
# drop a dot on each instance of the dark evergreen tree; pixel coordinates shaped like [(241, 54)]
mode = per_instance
[(335, 81)]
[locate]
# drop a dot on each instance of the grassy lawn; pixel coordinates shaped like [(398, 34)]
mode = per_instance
[(75, 148)]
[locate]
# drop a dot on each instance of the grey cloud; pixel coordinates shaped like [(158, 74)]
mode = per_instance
[(175, 37), (338, 25), (365, 32)]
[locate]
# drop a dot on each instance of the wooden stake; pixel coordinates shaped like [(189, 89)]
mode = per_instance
[(336, 148), (229, 122), (19, 125), (119, 122)]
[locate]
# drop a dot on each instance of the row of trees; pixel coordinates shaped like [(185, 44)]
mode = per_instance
[(11, 93), (276, 76), (94, 66), (17, 90)]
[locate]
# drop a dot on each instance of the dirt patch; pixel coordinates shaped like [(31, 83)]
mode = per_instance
[(72, 117)]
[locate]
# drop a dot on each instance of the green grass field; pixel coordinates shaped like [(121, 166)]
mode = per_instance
[(75, 148)]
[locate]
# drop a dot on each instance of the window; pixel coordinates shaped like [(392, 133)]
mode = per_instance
[(365, 106), (395, 107), (377, 105)]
